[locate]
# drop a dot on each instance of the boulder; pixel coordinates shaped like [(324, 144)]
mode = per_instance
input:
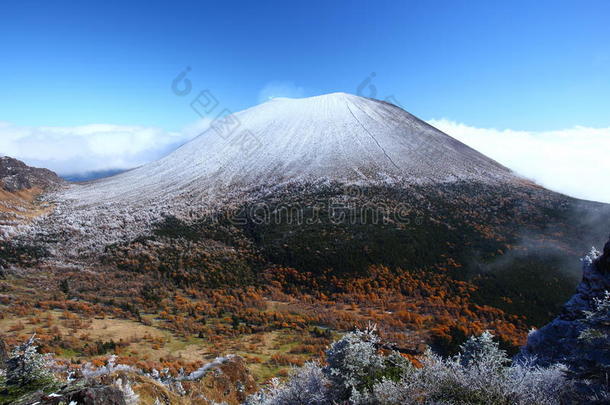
[(91, 395), (104, 395), (3, 354)]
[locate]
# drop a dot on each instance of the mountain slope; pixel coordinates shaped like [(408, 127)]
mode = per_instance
[(328, 211), (337, 137), (20, 187)]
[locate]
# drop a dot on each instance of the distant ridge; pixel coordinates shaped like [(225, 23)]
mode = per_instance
[(93, 175), (17, 176)]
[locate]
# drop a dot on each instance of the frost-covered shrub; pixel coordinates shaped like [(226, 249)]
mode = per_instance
[(357, 373), (27, 367), (446, 381), (90, 371), (530, 384), (352, 360), (355, 364), (483, 352), (308, 386), (480, 374), (26, 371), (442, 381)]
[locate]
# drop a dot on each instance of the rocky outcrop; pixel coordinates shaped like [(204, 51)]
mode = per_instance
[(16, 176), (603, 262), (104, 395), (94, 395), (224, 381), (231, 382), (561, 341), (3, 353)]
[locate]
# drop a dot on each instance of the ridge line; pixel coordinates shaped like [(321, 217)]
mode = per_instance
[(371, 135)]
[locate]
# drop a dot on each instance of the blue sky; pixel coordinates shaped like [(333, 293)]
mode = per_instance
[(524, 66)]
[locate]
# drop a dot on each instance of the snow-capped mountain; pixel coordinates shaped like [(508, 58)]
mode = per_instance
[(283, 150), (345, 184), (336, 137)]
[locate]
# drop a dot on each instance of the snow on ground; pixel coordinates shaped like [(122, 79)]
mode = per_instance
[(336, 137)]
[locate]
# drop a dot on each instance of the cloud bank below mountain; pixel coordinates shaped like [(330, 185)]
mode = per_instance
[(572, 161), (89, 148)]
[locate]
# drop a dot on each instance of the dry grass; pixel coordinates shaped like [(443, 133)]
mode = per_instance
[(154, 343), (23, 204)]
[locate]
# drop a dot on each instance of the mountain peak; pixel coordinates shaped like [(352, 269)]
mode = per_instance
[(333, 137), (338, 94)]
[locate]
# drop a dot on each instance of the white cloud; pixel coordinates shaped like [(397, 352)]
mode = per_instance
[(81, 149), (573, 161), (280, 89)]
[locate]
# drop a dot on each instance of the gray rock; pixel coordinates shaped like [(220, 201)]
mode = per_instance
[(105, 395), (95, 395), (3, 353), (558, 341)]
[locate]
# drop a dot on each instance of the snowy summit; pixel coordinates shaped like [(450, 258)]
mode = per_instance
[(338, 137)]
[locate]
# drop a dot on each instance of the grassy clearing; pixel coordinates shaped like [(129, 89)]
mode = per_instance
[(153, 343)]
